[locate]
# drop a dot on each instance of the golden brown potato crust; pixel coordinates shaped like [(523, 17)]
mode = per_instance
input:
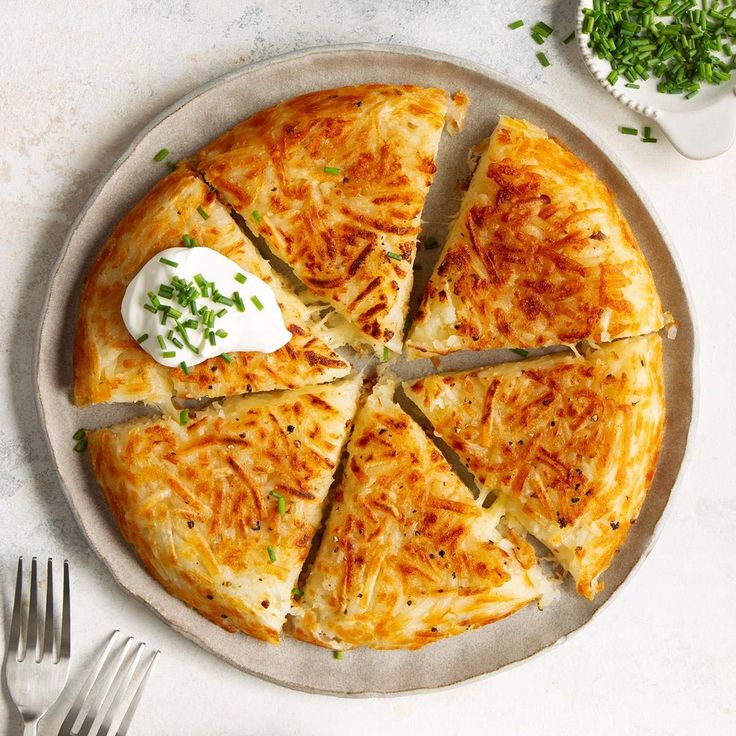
[(109, 365), (408, 556), (335, 182), (539, 255), (196, 501), (571, 442)]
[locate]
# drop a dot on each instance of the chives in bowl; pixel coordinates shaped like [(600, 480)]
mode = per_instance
[(681, 43)]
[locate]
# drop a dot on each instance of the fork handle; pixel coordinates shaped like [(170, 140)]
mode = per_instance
[(30, 728)]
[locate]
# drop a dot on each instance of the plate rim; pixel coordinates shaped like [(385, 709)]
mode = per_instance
[(501, 79)]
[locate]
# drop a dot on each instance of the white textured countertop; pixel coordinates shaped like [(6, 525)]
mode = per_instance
[(79, 80)]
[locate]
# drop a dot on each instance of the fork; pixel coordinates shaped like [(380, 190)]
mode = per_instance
[(115, 680), (36, 670)]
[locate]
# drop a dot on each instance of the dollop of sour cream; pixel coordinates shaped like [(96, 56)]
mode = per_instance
[(187, 305)]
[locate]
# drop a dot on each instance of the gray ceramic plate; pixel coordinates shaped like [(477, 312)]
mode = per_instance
[(185, 127)]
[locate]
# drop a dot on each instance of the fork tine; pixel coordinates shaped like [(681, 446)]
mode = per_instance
[(32, 628), (120, 689), (125, 723), (74, 711), (100, 689), (65, 645), (14, 638), (48, 623)]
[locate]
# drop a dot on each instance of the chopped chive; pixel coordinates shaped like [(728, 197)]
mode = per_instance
[(569, 38), (171, 165), (271, 553), (143, 337), (177, 343), (543, 60), (520, 352), (184, 417), (154, 299), (81, 432), (241, 278), (257, 302), (647, 132), (81, 445), (516, 24), (169, 262), (188, 241), (386, 354), (150, 308), (161, 155), (331, 170), (628, 131), (395, 256), (682, 49), (631, 85), (190, 324), (221, 313), (201, 282), (226, 300), (161, 342), (297, 592), (256, 215), (612, 77), (212, 338), (184, 367), (168, 354), (221, 333), (281, 501), (226, 357), (537, 38), (542, 29), (186, 340), (238, 301), (648, 140), (338, 654), (203, 213)]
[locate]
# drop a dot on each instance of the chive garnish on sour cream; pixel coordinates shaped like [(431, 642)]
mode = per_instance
[(192, 313)]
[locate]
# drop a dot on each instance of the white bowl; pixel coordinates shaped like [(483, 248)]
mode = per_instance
[(699, 128)]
